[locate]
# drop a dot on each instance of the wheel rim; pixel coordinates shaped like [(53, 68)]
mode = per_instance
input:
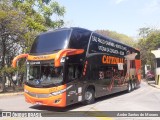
[(133, 85), (129, 87), (88, 95)]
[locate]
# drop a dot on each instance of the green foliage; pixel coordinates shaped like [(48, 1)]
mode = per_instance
[(8, 70), (12, 30), (117, 36), (144, 32), (149, 40), (40, 13), (20, 22)]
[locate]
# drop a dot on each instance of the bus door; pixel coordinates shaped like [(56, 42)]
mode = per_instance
[(74, 93)]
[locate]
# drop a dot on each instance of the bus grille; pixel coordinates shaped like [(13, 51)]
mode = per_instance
[(38, 95)]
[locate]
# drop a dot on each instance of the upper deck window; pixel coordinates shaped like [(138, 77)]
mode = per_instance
[(50, 42), (79, 39)]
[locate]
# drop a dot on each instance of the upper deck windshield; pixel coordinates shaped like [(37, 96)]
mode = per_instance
[(50, 42)]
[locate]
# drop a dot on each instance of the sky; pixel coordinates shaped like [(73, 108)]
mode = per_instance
[(122, 16)]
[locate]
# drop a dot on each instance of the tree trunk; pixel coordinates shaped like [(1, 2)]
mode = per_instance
[(2, 84), (15, 88)]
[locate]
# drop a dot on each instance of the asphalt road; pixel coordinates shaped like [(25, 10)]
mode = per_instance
[(145, 98)]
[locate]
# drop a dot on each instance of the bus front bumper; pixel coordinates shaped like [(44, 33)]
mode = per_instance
[(46, 96), (57, 101)]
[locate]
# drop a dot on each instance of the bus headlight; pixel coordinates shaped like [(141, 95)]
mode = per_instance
[(58, 92)]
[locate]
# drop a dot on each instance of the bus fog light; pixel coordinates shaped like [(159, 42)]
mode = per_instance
[(26, 91), (58, 100)]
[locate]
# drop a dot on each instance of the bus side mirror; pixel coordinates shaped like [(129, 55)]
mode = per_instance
[(14, 62)]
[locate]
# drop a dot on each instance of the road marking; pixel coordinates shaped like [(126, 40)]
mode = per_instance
[(99, 113), (11, 119)]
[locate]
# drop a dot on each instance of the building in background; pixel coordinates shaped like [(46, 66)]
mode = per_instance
[(157, 70)]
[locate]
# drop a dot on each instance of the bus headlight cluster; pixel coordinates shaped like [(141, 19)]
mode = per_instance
[(58, 92)]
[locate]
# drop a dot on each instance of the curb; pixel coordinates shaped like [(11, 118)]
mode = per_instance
[(153, 85), (156, 86), (10, 94)]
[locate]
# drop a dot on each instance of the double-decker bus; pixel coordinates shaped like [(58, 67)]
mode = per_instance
[(71, 65)]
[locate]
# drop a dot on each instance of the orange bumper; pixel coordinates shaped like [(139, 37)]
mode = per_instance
[(43, 96)]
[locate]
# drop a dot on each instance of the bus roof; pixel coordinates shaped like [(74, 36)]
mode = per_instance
[(84, 29), (111, 39)]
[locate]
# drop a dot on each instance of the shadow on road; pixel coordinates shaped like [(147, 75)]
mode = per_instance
[(77, 105), (56, 109)]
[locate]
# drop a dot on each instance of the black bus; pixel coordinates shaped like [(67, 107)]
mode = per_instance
[(71, 65)]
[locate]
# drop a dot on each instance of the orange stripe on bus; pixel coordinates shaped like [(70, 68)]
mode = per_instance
[(41, 57), (66, 52)]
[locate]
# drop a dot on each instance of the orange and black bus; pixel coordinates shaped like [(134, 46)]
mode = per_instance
[(71, 65)]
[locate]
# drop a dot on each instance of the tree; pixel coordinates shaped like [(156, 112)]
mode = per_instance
[(12, 29), (41, 14), (20, 22), (144, 32), (149, 40)]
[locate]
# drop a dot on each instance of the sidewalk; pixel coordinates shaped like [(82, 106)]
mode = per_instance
[(152, 83), (10, 91), (10, 94)]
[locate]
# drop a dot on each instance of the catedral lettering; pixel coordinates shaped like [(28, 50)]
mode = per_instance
[(71, 65), (111, 60)]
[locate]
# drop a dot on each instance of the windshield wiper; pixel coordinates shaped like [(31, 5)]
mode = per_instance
[(57, 49)]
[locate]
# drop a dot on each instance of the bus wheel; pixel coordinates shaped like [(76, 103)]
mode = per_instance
[(129, 87), (89, 96), (133, 85)]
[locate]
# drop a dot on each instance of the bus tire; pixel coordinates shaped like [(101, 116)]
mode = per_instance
[(133, 85), (129, 87), (89, 96)]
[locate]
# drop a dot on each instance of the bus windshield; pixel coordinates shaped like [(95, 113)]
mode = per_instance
[(43, 74), (50, 41)]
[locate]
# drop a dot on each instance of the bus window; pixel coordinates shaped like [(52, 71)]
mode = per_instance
[(158, 62), (93, 47), (44, 74), (45, 43), (79, 39), (74, 71)]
